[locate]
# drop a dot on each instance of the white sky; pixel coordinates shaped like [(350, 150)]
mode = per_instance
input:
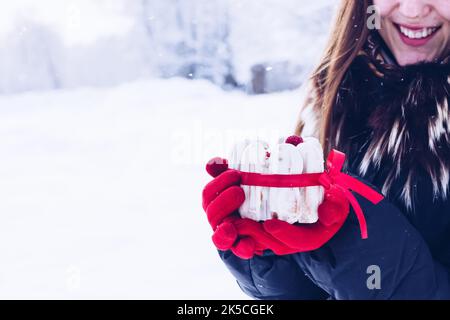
[(77, 21)]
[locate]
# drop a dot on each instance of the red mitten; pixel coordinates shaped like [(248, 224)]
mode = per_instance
[(246, 237), (222, 197), (332, 214)]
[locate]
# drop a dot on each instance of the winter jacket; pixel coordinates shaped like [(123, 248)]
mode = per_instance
[(341, 269), (407, 254)]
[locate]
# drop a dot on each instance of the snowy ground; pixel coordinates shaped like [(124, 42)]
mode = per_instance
[(100, 188)]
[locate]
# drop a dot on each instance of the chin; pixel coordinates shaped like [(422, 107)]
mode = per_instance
[(404, 59), (408, 56)]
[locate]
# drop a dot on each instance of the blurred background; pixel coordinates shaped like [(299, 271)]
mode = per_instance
[(109, 110)]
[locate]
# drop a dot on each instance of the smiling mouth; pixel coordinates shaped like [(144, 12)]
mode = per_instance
[(416, 36)]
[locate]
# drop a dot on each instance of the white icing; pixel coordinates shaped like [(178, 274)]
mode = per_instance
[(288, 204)]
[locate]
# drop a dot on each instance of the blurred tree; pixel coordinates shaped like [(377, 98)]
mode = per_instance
[(260, 46), (29, 58), (191, 38)]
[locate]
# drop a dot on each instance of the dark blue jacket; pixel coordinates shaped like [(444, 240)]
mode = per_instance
[(342, 268)]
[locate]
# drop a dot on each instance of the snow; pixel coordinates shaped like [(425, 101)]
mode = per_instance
[(101, 188)]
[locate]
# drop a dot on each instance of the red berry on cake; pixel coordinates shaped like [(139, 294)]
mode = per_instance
[(294, 140), (216, 166)]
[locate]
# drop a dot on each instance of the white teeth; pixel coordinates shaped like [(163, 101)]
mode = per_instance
[(413, 34)]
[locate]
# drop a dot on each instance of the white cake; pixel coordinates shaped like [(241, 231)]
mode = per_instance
[(293, 205)]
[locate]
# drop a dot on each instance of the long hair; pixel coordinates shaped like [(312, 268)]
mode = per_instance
[(347, 38)]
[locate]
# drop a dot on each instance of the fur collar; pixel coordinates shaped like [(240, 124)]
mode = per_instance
[(397, 119)]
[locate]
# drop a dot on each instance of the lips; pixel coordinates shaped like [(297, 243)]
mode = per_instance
[(416, 36)]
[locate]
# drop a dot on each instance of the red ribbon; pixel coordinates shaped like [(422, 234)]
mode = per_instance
[(332, 176)]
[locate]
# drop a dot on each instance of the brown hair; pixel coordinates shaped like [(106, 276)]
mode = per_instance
[(347, 38)]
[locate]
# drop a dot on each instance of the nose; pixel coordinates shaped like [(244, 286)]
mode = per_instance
[(414, 9)]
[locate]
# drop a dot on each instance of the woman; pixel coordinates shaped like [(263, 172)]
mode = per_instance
[(382, 97)]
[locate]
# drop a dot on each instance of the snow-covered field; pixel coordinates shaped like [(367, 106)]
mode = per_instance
[(100, 189)]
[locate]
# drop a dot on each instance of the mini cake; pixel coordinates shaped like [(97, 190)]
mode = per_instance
[(291, 156)]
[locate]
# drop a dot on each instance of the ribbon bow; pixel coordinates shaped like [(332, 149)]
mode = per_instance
[(332, 176)]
